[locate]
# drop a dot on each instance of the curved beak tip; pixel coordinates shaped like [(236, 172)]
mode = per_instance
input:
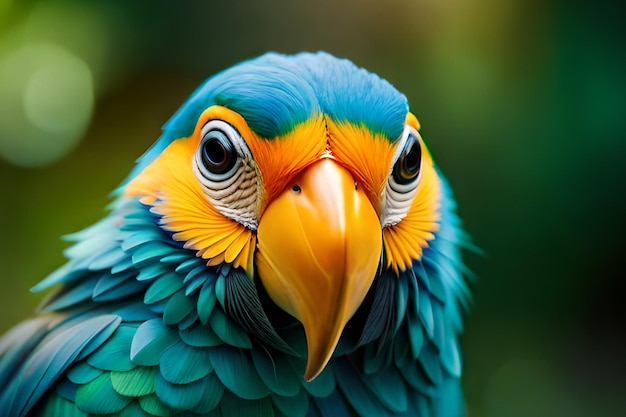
[(318, 252)]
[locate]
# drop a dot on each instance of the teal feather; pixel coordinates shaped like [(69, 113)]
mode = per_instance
[(292, 406), (83, 373), (19, 342), (235, 369), (389, 388), (178, 307), (114, 354), (360, 397), (332, 405), (199, 336), (163, 288), (196, 365), (181, 396), (227, 330), (150, 341), (276, 373), (214, 390), (206, 301), (244, 306), (322, 385), (232, 406), (429, 361), (152, 271), (66, 389)]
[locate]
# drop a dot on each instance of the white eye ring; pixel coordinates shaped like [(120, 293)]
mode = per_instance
[(220, 152), (402, 181), (224, 168)]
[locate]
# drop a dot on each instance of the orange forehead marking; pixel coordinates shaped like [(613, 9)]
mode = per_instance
[(278, 159), (367, 155)]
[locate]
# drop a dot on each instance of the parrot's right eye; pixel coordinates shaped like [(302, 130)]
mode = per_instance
[(217, 157), (224, 167), (217, 152)]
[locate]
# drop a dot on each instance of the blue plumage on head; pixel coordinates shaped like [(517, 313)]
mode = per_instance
[(274, 93)]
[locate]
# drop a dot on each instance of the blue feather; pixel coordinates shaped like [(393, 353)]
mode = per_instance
[(51, 358), (274, 93)]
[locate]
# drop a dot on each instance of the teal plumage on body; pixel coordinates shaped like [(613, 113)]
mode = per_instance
[(286, 248)]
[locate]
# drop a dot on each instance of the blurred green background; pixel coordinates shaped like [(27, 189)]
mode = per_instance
[(522, 102)]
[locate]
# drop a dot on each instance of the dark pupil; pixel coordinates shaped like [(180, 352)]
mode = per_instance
[(412, 159), (218, 154), (408, 166)]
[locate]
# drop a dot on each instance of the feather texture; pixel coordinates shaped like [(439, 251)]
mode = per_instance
[(143, 325)]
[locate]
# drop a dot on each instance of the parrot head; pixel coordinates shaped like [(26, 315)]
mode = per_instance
[(304, 172)]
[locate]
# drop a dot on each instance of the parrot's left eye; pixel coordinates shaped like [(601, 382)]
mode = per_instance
[(407, 167), (403, 179), (223, 166)]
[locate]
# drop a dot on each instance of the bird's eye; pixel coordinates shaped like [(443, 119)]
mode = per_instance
[(217, 152), (407, 167), (226, 172), (403, 179), (220, 152)]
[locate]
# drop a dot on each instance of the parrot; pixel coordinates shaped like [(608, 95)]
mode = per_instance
[(287, 247)]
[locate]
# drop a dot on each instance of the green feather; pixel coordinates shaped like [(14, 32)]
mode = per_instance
[(99, 397), (136, 382), (133, 410), (152, 405), (58, 406)]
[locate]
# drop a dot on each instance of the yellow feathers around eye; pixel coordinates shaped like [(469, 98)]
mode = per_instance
[(170, 187), (369, 157), (405, 241)]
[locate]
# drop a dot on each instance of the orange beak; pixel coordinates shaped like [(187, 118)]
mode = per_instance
[(319, 246)]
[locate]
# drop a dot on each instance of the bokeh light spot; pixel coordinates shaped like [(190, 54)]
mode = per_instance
[(58, 97), (46, 103)]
